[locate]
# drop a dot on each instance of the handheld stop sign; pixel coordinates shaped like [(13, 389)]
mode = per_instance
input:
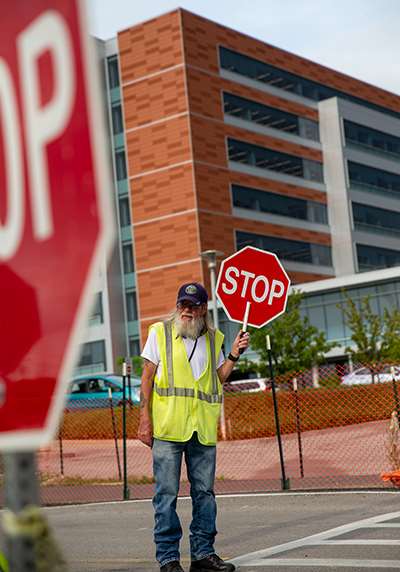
[(252, 287)]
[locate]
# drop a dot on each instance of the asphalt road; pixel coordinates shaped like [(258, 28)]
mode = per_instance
[(118, 536)]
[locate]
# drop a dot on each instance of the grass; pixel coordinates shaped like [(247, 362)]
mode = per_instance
[(47, 479)]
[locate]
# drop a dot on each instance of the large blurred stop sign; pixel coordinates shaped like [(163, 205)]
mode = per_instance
[(257, 277), (56, 225)]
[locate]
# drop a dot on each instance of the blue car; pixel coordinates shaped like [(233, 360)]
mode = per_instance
[(92, 391)]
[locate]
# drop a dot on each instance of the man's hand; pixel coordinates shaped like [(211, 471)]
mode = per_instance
[(241, 342), (145, 430)]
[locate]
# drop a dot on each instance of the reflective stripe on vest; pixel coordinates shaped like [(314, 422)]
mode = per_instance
[(215, 397)]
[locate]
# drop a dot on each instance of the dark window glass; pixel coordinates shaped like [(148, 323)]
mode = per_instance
[(96, 317), (373, 218), (120, 165), (371, 138), (254, 199), (124, 212), (94, 353), (127, 255), (263, 158), (134, 347), (113, 73), (265, 73), (270, 117), (117, 123), (286, 249), (131, 307), (373, 179), (372, 257)]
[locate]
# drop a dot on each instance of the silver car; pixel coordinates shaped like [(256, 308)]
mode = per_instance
[(363, 375)]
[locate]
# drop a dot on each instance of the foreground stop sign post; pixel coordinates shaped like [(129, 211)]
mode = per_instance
[(253, 289), (55, 227)]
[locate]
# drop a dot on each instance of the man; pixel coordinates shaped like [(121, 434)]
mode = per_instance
[(180, 403)]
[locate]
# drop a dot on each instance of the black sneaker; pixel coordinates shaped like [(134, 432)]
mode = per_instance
[(173, 566), (211, 563)]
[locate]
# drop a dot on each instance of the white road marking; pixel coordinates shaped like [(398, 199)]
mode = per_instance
[(262, 557), (327, 563)]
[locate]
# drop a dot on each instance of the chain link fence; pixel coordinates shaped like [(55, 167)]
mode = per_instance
[(339, 429)]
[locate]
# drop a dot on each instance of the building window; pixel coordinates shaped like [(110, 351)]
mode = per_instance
[(373, 257), (269, 116), (287, 81), (371, 179), (116, 115), (371, 139), (120, 165), (282, 205), (287, 249), (127, 258), (124, 212), (96, 317), (134, 347), (93, 354), (131, 307), (263, 158), (375, 219), (113, 72)]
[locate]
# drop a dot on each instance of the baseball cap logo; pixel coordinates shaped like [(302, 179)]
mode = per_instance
[(191, 289)]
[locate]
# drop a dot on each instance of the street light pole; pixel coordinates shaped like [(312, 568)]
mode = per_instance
[(211, 257)]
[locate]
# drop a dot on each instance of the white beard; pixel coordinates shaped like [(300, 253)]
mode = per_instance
[(189, 328)]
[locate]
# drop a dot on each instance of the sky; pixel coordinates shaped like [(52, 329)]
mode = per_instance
[(357, 37)]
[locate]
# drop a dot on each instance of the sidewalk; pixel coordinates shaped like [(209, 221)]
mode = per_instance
[(351, 456)]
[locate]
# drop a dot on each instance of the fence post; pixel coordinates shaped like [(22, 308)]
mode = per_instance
[(61, 452), (114, 427), (298, 426), (395, 393), (125, 466), (285, 483)]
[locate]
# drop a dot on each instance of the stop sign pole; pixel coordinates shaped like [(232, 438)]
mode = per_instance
[(56, 231), (253, 288)]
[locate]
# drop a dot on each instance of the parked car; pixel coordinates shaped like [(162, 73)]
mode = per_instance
[(92, 391), (246, 385), (363, 375)]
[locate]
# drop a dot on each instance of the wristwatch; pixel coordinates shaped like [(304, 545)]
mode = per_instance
[(233, 358)]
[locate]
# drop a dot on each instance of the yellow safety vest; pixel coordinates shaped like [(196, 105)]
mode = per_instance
[(180, 404)]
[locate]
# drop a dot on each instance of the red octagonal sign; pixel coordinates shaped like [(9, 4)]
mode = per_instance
[(54, 204), (256, 277)]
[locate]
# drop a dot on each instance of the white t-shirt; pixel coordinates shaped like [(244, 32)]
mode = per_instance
[(198, 362)]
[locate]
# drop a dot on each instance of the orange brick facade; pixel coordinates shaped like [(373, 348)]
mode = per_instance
[(177, 152)]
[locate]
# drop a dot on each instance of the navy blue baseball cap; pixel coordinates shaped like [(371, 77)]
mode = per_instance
[(192, 292)]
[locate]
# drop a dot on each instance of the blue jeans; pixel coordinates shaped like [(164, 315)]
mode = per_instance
[(200, 463)]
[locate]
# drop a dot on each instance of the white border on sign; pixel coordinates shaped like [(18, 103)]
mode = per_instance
[(220, 275), (29, 440)]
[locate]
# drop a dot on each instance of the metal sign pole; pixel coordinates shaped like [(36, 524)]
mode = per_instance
[(21, 490)]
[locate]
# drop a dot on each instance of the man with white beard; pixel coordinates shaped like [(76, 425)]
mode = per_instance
[(180, 404)]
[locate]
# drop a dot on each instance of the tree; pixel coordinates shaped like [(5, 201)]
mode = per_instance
[(375, 337), (295, 344), (136, 363)]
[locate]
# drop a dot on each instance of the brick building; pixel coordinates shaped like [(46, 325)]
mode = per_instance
[(220, 140)]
